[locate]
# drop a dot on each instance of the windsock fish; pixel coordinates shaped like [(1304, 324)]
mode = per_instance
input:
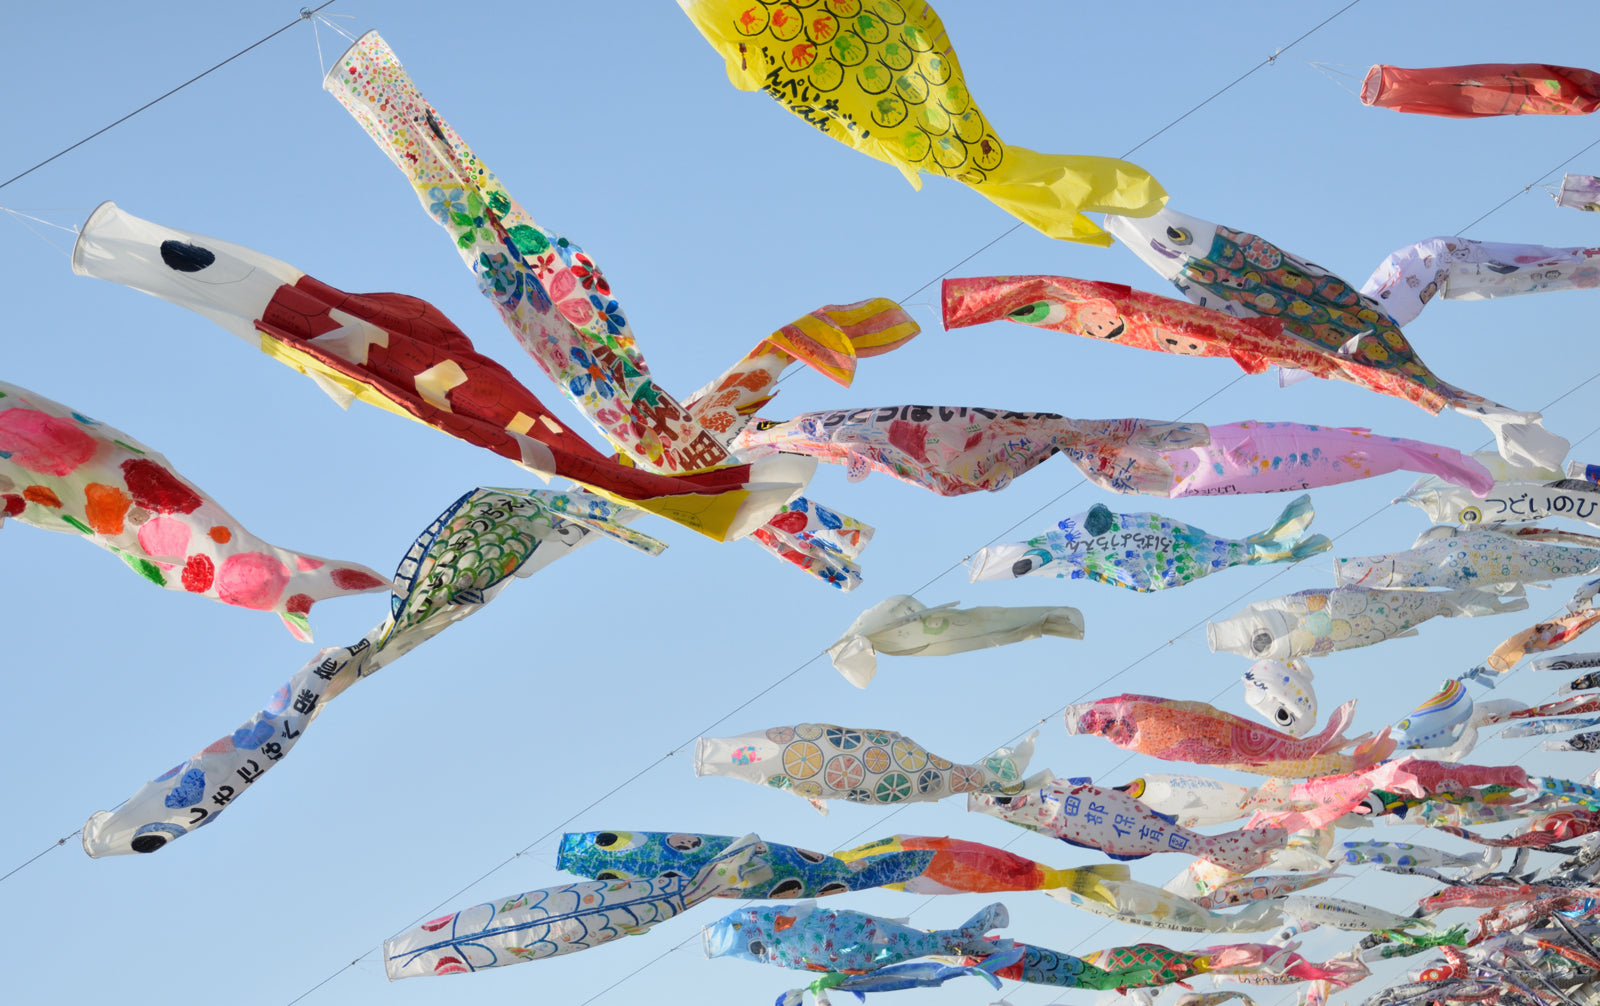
[(1507, 501), (809, 938), (1139, 966), (1281, 692), (562, 920), (1589, 741), (1146, 551), (959, 867), (1111, 312), (1582, 683), (1093, 817), (1541, 728), (1202, 734), (796, 873), (1323, 620), (1263, 457), (820, 761), (1245, 890), (1440, 721), (1406, 854), (956, 450), (1459, 268), (903, 626), (1337, 913), (1453, 558), (1547, 635), (1567, 662), (1246, 276), (1146, 905)]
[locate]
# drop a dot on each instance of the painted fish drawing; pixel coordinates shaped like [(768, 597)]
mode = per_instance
[(1094, 817), (1281, 692), (820, 761), (1146, 551), (562, 920), (806, 937)]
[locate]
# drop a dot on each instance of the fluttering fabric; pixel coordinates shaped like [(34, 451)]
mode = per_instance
[(955, 450), (1519, 495), (882, 77), (820, 762), (1197, 801), (561, 920), (1406, 854), (1201, 734), (829, 340), (1568, 662), (1478, 90), (459, 563), (1322, 620), (1579, 192), (1588, 741), (1541, 728), (795, 873), (808, 938), (1094, 817), (62, 471), (403, 355), (902, 626), (1458, 268), (1146, 551), (956, 866), (1282, 693), (1246, 276), (1455, 558)]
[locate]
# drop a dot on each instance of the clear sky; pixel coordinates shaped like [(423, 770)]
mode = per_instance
[(718, 217)]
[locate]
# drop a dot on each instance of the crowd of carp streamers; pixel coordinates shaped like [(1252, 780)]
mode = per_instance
[(881, 76)]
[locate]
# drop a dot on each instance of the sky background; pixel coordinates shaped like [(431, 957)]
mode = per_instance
[(718, 217)]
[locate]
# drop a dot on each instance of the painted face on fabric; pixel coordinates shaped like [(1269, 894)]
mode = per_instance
[(1100, 320)]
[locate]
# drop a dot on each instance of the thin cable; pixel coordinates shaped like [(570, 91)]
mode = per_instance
[(1502, 204), (304, 16), (50, 848)]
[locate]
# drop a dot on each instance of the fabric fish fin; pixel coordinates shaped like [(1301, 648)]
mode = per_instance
[(1169, 818), (874, 327), (970, 937), (1474, 602), (1051, 192), (1374, 750), (1281, 541), (741, 866), (1255, 848), (1332, 736), (1250, 363)]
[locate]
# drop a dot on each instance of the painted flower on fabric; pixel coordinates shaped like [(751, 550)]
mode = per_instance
[(593, 374), (833, 576), (610, 312), (544, 266), (498, 277), (445, 202), (564, 248), (589, 274)]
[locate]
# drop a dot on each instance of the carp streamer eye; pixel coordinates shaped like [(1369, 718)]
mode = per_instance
[(1179, 236), (1261, 642), (1283, 716), (613, 840)]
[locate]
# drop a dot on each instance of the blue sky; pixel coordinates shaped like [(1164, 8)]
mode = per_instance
[(717, 217)]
